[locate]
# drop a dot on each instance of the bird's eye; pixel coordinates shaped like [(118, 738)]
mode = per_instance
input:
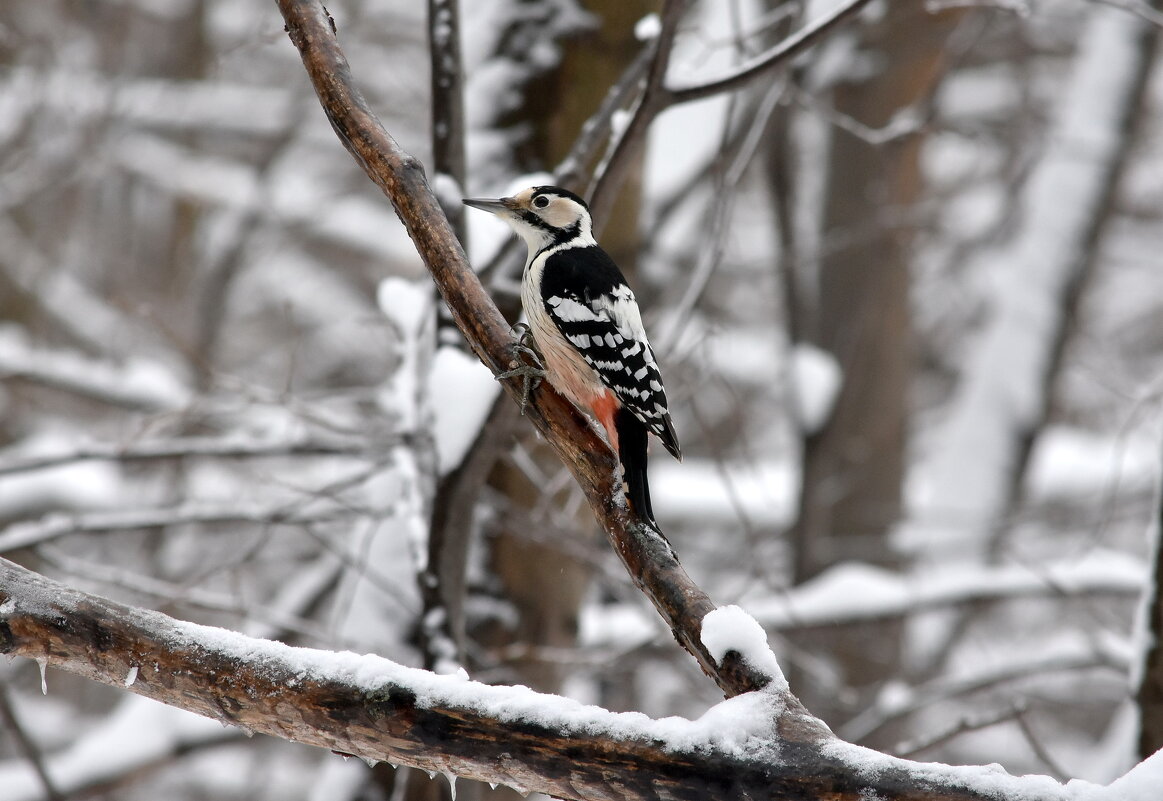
[(540, 202)]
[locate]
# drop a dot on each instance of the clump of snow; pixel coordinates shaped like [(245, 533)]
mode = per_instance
[(647, 28), (816, 382), (618, 122), (729, 628), (461, 391)]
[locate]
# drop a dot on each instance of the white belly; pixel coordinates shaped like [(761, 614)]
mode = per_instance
[(567, 370)]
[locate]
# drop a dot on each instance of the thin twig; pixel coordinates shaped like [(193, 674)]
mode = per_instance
[(789, 48), (30, 749), (194, 447)]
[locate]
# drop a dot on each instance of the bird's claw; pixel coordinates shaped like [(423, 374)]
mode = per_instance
[(531, 374)]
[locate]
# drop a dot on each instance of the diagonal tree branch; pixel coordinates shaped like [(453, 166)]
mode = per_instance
[(647, 555)]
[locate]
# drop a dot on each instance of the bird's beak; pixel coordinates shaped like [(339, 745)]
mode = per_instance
[(501, 206)]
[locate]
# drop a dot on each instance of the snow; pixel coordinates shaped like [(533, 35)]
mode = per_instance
[(816, 381), (461, 392), (856, 591), (447, 190), (63, 487), (729, 628), (616, 625), (1141, 783), (702, 490), (136, 382), (1069, 461), (647, 28)]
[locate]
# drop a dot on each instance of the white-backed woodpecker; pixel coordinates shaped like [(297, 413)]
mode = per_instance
[(585, 321)]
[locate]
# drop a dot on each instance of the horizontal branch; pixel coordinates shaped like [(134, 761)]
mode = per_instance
[(51, 527), (191, 447), (381, 711)]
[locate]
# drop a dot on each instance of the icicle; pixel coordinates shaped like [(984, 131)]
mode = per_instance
[(451, 783), (131, 676), (371, 763), (43, 662)]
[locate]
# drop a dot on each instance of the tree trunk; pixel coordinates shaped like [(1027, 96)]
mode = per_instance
[(854, 466)]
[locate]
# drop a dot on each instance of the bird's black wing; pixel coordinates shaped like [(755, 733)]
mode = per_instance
[(588, 299)]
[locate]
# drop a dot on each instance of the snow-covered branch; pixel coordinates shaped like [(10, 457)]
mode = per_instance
[(751, 746), (186, 447)]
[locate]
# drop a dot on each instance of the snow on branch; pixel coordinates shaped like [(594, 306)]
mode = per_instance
[(136, 383), (750, 746), (232, 447)]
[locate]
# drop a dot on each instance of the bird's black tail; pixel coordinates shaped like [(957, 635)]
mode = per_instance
[(632, 434)]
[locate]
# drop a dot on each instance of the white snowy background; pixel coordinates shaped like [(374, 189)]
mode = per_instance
[(224, 393)]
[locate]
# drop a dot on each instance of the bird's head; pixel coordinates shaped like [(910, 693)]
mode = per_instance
[(543, 215)]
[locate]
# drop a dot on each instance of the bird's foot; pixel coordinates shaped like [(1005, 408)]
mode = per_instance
[(532, 374)]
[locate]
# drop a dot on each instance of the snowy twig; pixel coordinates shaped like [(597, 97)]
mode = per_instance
[(192, 447), (608, 176), (28, 534), (277, 623), (570, 171), (877, 717), (966, 724), (136, 384)]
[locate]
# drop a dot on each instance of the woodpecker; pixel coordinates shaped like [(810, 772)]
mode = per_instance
[(585, 321)]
